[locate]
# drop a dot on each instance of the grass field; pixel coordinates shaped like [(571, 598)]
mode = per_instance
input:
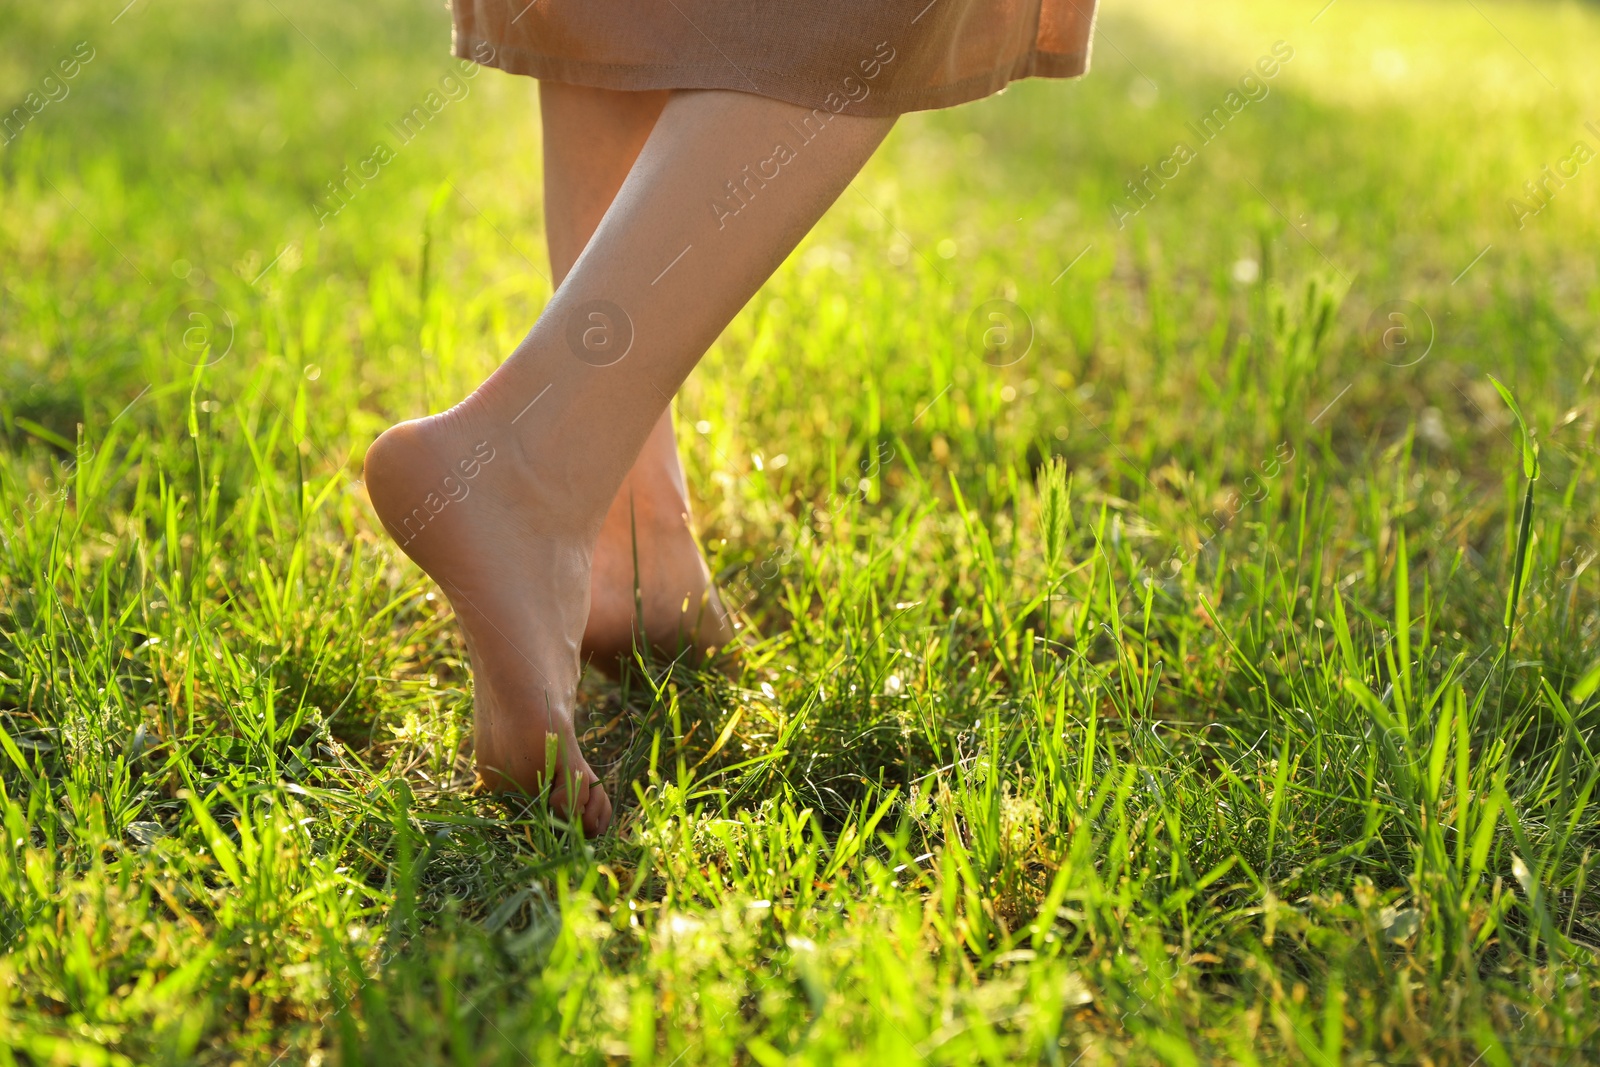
[(1132, 685)]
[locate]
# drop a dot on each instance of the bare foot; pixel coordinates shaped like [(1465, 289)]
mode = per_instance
[(667, 601), (515, 563)]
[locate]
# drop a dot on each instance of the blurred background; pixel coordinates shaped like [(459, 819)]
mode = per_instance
[(191, 157)]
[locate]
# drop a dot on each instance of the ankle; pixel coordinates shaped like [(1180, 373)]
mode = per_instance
[(535, 463)]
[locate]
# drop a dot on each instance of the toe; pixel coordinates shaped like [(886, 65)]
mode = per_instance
[(597, 813), (570, 796), (581, 797)]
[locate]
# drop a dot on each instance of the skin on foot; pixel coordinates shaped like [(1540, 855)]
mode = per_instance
[(514, 559), (651, 586)]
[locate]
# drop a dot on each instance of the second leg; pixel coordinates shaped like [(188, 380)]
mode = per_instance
[(650, 583)]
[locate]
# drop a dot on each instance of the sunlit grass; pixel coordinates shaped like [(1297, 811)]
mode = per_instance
[(1143, 697)]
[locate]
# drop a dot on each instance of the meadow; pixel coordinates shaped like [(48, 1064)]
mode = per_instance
[(1170, 620)]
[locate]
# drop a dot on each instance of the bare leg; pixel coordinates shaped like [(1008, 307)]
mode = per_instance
[(502, 498), (591, 139)]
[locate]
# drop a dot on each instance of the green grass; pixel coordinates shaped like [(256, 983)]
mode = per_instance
[(1028, 760)]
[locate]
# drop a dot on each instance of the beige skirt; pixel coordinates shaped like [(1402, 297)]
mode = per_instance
[(872, 57)]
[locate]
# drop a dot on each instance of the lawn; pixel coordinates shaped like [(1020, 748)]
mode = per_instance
[(1171, 634)]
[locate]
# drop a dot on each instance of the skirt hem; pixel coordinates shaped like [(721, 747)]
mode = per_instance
[(804, 92)]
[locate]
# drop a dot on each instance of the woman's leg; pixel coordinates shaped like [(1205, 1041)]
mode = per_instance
[(591, 139), (502, 498)]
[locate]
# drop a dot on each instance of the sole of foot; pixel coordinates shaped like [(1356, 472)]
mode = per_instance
[(515, 565)]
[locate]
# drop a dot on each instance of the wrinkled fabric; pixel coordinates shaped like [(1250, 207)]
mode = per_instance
[(873, 57)]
